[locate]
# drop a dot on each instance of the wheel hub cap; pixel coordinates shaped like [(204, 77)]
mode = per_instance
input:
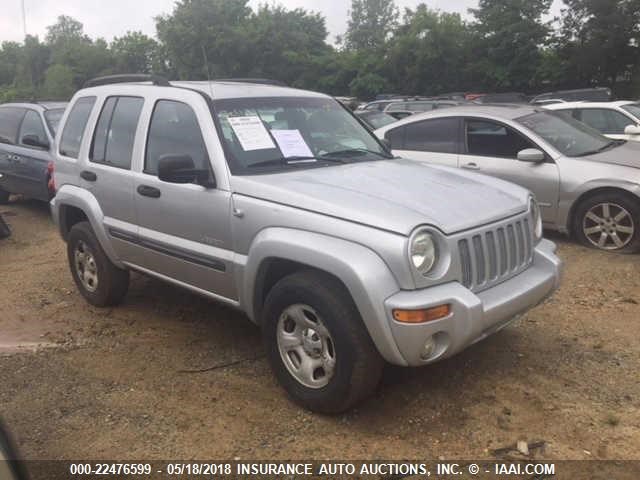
[(86, 267), (608, 226), (306, 346)]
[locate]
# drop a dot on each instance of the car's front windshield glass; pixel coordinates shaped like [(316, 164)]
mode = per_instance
[(633, 109), (571, 137), (283, 133), (53, 119)]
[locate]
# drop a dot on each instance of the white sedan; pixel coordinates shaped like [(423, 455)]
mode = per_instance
[(618, 120)]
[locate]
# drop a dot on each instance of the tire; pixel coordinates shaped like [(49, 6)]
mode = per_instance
[(610, 222), (357, 365), (4, 197), (104, 284)]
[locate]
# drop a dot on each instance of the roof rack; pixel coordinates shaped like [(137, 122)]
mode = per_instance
[(261, 81), (128, 78)]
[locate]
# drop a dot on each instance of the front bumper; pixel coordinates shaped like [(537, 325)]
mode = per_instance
[(474, 316)]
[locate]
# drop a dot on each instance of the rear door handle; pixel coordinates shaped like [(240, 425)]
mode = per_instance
[(147, 191), (88, 176), (471, 166)]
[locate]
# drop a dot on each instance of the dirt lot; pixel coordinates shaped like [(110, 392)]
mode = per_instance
[(110, 384)]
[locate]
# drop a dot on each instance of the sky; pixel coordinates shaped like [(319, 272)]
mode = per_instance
[(113, 18)]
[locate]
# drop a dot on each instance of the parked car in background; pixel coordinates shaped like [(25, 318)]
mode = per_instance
[(507, 97), (375, 119), (27, 131), (352, 103), (600, 94), (278, 202), (548, 101), (587, 185), (416, 106), (618, 120)]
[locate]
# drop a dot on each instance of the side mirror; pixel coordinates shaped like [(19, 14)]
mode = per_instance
[(10, 466), (34, 141), (181, 169), (632, 130), (532, 155)]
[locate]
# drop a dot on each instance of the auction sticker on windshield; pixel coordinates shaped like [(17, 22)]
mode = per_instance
[(291, 143), (251, 133)]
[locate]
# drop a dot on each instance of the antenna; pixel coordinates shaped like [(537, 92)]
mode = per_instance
[(24, 20), (206, 64)]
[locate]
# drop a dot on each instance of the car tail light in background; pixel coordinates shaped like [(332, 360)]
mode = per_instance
[(51, 184)]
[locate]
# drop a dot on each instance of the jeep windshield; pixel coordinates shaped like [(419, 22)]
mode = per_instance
[(263, 135), (571, 137)]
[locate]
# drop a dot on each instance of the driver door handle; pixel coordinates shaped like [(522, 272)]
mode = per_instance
[(147, 191), (471, 166)]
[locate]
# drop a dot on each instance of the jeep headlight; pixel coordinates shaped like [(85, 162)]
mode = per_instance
[(537, 219), (423, 252)]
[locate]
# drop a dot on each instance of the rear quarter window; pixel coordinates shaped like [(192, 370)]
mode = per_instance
[(74, 127)]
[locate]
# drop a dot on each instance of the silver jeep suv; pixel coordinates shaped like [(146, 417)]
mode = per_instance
[(281, 203)]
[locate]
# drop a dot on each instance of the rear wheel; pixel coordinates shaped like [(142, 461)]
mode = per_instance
[(609, 222), (100, 282), (317, 345)]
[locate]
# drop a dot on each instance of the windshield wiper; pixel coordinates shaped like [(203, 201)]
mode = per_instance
[(287, 161), (602, 149), (356, 151)]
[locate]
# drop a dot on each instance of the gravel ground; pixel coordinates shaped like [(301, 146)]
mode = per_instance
[(80, 382)]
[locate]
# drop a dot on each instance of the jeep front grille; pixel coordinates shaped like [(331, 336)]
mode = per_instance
[(490, 257)]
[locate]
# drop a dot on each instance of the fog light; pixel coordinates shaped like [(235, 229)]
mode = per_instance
[(429, 348)]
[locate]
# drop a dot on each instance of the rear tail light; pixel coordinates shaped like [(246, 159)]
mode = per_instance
[(51, 184)]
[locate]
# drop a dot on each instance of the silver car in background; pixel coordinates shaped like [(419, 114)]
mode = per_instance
[(587, 185)]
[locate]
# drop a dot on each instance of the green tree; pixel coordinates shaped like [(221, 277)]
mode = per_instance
[(285, 44), (370, 24), (510, 35), (430, 53), (58, 83), (600, 40), (135, 52), (201, 32)]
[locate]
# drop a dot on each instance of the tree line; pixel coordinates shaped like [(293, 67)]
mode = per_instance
[(504, 45)]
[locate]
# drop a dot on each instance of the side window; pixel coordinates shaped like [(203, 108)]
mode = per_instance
[(116, 131), (10, 118), (396, 137), (491, 139), (618, 122), (438, 135), (595, 118), (74, 127), (32, 125), (174, 130)]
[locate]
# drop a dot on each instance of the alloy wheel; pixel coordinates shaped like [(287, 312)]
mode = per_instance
[(608, 226)]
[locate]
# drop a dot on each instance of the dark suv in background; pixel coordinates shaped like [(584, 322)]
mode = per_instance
[(27, 131)]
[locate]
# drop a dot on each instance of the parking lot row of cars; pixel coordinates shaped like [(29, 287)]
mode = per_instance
[(350, 248)]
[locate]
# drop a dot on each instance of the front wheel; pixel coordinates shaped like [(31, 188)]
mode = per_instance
[(609, 222), (317, 345)]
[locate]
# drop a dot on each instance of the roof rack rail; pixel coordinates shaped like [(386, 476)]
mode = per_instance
[(261, 81), (127, 78)]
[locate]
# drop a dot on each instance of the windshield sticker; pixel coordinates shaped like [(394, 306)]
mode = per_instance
[(251, 133), (291, 143)]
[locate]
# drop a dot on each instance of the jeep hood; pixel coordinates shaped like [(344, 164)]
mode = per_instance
[(394, 195)]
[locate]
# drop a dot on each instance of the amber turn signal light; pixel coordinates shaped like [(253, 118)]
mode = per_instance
[(422, 316)]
